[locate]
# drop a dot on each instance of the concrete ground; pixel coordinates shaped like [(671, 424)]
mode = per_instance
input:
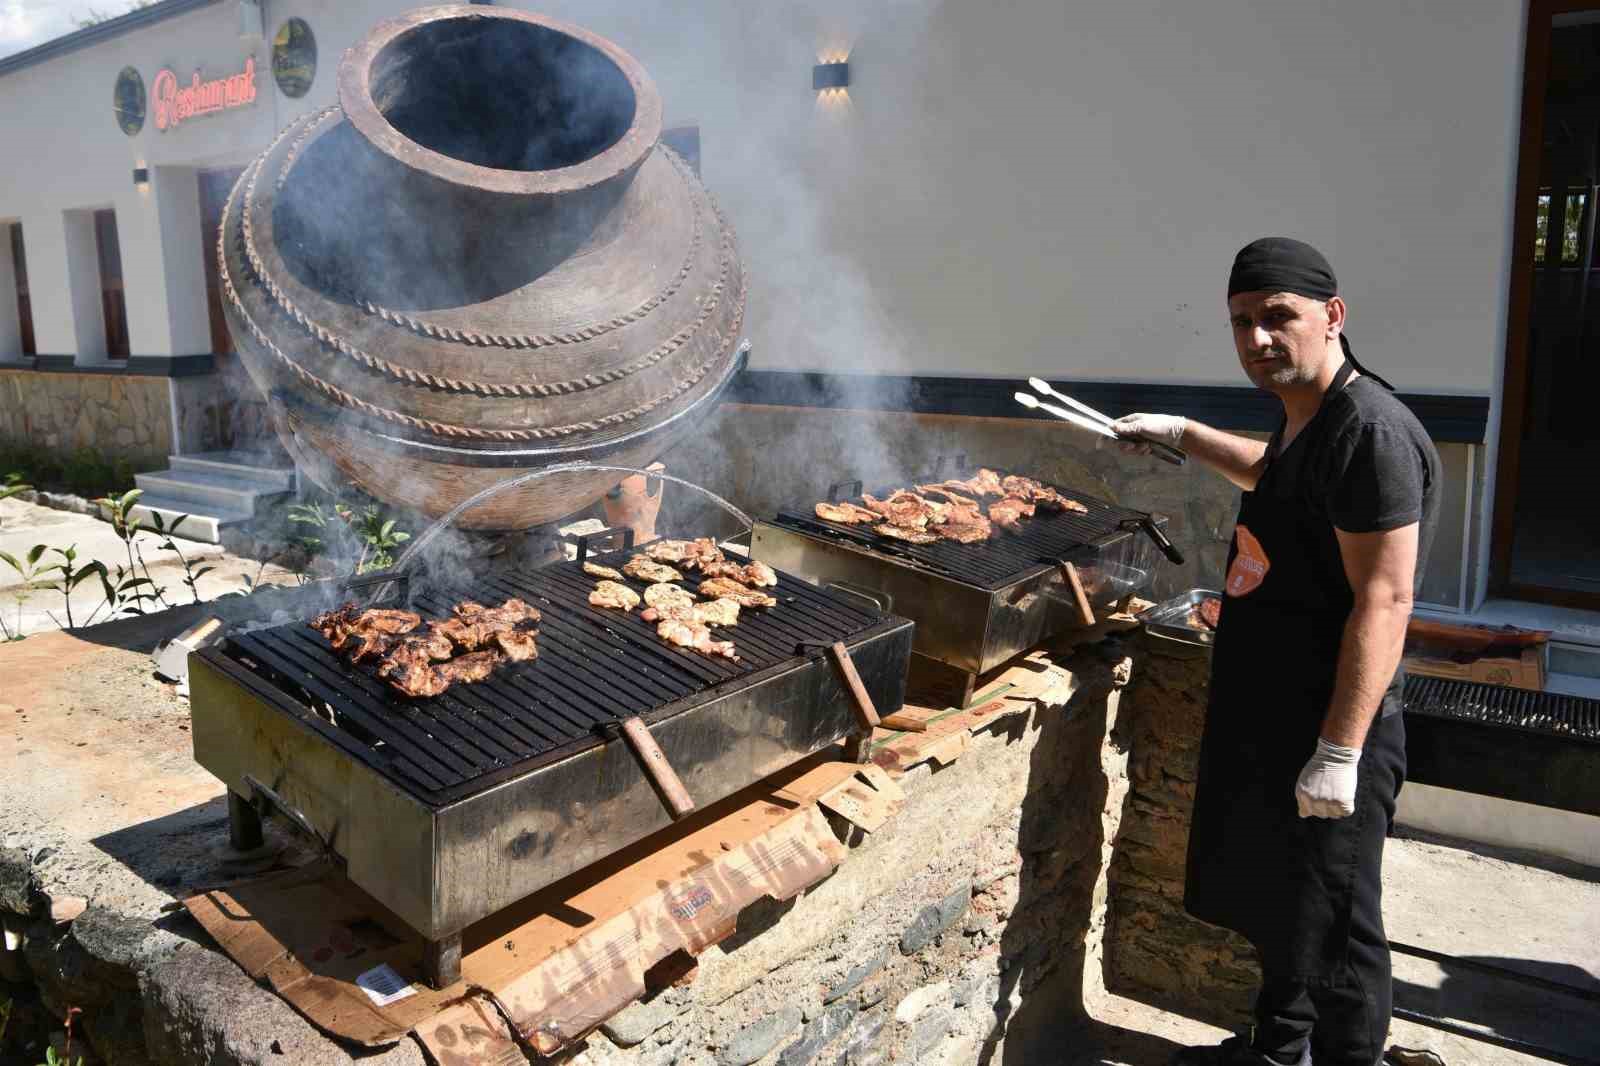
[(33, 610), (100, 799)]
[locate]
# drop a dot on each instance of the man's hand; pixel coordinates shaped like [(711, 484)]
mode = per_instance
[(1165, 429), (1327, 785)]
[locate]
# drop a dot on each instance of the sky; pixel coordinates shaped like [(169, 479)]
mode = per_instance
[(25, 23)]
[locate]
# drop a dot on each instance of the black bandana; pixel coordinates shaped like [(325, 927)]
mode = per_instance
[(1282, 264)]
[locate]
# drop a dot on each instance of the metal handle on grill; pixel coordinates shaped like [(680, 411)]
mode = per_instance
[(1157, 534), (881, 601), (854, 485), (609, 533), (263, 797)]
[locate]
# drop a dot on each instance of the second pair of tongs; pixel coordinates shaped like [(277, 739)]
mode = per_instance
[(1085, 417)]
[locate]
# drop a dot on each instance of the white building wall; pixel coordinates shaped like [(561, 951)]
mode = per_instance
[(1011, 187)]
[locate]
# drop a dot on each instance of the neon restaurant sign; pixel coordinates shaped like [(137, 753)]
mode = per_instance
[(176, 103)]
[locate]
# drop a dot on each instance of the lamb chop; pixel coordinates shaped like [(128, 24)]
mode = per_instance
[(1009, 513), (723, 612), (695, 637), (611, 594), (647, 569), (689, 554), (949, 494), (756, 574), (969, 532), (914, 536), (718, 587), (513, 612), (666, 594), (596, 570), (1025, 488), (845, 513), (984, 483)]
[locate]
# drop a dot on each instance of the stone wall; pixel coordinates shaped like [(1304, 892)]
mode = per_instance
[(771, 457), (221, 411), (1154, 950), (121, 416), (967, 929)]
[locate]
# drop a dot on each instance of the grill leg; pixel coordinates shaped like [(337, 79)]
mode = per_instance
[(441, 961), (244, 823)]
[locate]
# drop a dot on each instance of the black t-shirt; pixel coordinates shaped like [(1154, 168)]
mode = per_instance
[(1365, 462)]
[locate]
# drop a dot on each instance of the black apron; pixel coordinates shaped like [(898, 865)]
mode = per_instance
[(1255, 866)]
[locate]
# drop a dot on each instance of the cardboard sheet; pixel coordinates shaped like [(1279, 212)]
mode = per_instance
[(556, 964)]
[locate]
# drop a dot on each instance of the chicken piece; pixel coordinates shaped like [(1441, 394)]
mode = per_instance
[(949, 494), (914, 536), (414, 677), (718, 587), (723, 612), (340, 616), (596, 570), (971, 532), (468, 669), (647, 569), (513, 612), (689, 554), (465, 635), (845, 514), (755, 574), (1009, 513), (986, 483), (424, 648), (1024, 488), (904, 509), (345, 628), (695, 637), (666, 594), (517, 645), (611, 594)]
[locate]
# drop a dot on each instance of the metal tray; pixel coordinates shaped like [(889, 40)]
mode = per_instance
[(1169, 619)]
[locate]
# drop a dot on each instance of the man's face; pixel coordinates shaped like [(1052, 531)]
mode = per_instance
[(1282, 337)]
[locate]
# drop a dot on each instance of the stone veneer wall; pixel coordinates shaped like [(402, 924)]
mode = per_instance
[(1154, 950), (123, 416), (222, 410), (967, 929), (770, 457)]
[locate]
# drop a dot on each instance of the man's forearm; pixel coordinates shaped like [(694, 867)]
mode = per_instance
[(1369, 654), (1239, 459)]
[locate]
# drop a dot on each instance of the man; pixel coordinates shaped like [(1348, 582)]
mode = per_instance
[(1303, 751)]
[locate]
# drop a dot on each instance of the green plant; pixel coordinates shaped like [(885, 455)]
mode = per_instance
[(31, 572), (13, 485), (191, 573), (131, 589), (71, 576), (52, 1059), (363, 537)]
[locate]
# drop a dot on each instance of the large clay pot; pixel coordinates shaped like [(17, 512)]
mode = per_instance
[(481, 261)]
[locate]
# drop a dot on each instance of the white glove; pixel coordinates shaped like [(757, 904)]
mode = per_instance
[(1166, 429), (1327, 785)]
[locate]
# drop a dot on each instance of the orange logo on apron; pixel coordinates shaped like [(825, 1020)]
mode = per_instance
[(1250, 564)]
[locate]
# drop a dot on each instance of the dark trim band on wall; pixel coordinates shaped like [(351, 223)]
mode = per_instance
[(139, 366), (1458, 419)]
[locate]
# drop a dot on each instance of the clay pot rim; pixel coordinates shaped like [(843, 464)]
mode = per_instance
[(355, 98)]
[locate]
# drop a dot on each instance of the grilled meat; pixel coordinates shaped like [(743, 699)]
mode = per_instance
[(949, 494), (611, 594), (647, 569), (1210, 612), (466, 669), (689, 554), (756, 574), (414, 676), (666, 594), (510, 613), (718, 587), (904, 509), (845, 513), (596, 570), (465, 635), (969, 532), (1009, 513), (1026, 488), (722, 612), (695, 637), (984, 483), (409, 670), (517, 645), (914, 536), (347, 628)]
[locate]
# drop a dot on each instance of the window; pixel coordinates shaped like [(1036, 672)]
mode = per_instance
[(1571, 230), (112, 303), (19, 261)]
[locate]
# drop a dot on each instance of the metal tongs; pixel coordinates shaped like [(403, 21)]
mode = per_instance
[(1093, 420)]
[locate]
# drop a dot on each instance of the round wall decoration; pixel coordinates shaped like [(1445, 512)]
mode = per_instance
[(128, 101), (294, 57)]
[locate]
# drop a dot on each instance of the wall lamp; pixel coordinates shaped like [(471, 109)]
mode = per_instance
[(830, 76), (141, 177)]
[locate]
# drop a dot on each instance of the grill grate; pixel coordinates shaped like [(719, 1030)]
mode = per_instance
[(594, 667), (1006, 557), (1546, 713)]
